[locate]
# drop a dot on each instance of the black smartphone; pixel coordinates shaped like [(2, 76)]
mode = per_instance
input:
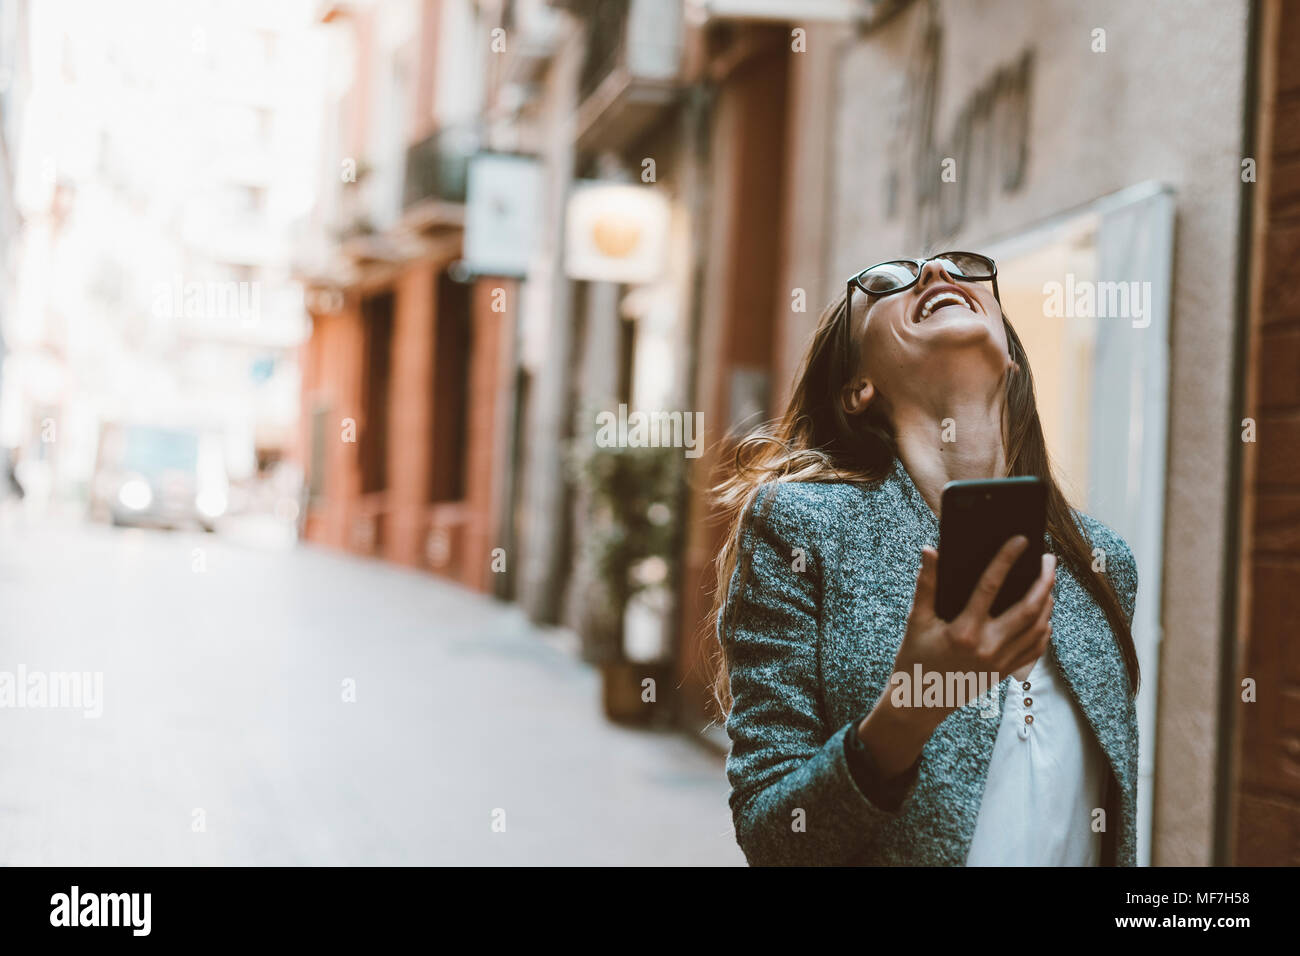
[(976, 518)]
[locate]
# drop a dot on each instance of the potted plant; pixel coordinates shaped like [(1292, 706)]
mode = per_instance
[(633, 547)]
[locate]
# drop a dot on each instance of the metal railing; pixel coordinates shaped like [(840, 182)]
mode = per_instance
[(606, 43), (437, 166)]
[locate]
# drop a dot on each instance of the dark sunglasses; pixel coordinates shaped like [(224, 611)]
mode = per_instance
[(899, 275)]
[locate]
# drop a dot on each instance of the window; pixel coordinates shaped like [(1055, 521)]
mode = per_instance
[(320, 430), (626, 359), (377, 315), (450, 398)]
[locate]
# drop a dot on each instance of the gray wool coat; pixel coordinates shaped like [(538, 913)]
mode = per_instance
[(811, 650)]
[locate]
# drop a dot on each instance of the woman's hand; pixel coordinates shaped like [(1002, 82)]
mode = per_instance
[(974, 642), (971, 643)]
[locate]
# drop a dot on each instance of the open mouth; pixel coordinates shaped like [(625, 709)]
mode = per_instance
[(938, 298)]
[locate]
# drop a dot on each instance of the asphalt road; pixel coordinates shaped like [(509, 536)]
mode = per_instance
[(225, 736)]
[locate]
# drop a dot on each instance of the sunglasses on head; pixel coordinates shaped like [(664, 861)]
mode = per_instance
[(899, 275)]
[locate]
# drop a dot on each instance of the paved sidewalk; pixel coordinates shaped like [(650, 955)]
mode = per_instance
[(223, 683)]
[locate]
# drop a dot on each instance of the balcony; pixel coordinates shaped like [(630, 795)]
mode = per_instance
[(433, 187), (535, 29), (634, 50), (860, 12)]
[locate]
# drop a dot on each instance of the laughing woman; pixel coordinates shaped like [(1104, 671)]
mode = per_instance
[(827, 588)]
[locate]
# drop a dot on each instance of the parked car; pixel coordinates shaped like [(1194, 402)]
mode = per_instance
[(150, 475)]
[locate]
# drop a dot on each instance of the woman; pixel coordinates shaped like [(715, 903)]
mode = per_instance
[(914, 378)]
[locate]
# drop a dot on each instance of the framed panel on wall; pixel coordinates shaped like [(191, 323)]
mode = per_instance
[(1089, 294)]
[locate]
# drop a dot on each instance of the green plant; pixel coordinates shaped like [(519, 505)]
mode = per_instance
[(634, 532)]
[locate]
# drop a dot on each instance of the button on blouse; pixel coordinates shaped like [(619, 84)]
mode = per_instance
[(1044, 781)]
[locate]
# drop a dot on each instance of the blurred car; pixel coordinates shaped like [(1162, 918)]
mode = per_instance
[(168, 477)]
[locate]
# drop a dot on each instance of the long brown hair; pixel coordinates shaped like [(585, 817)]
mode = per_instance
[(817, 440)]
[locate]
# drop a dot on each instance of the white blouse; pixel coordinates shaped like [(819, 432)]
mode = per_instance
[(1044, 781)]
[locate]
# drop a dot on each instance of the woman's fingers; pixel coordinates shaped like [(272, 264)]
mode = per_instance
[(990, 582), (1024, 647), (1020, 615), (1037, 648), (923, 601)]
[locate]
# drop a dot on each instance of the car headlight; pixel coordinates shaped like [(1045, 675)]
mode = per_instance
[(135, 494), (211, 503)]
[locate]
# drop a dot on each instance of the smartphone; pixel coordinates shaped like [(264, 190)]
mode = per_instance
[(976, 518)]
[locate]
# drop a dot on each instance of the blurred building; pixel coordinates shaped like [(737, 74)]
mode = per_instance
[(404, 383), (13, 91), (164, 157), (777, 148)]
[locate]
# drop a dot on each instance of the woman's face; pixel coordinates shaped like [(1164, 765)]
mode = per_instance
[(941, 334)]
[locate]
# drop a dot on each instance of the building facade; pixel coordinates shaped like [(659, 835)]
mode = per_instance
[(151, 282), (1259, 788), (402, 391)]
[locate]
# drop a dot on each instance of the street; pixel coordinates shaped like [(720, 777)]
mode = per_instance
[(228, 737)]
